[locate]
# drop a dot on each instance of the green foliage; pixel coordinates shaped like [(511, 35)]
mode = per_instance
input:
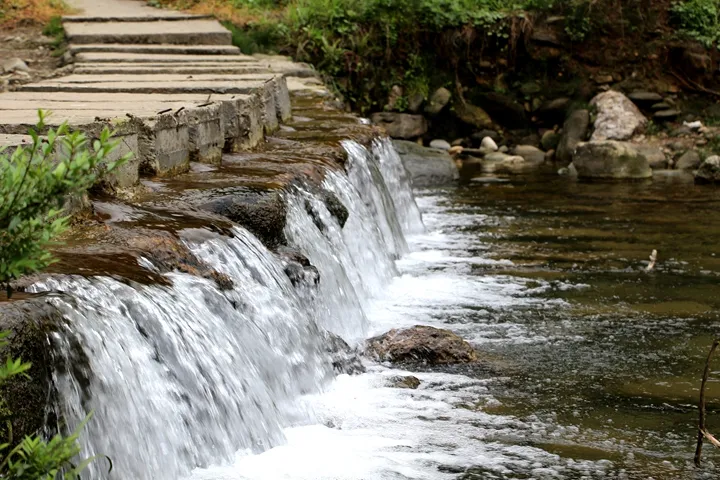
[(698, 19), (35, 182), (54, 29), (257, 37)]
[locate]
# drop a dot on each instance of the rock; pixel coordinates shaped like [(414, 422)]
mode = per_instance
[(553, 111), (297, 267), (503, 149), (696, 125), (530, 153), (574, 131), (460, 142), (454, 150), (550, 156), (438, 100), (428, 345), (665, 115), (396, 93), (645, 99), (415, 102), (660, 106), (680, 131), (478, 137), (609, 159), (401, 125), (30, 323), (14, 65), (602, 78), (689, 160), (408, 381), (489, 144), (503, 109), (336, 208), (263, 213), (440, 144), (654, 156), (617, 117), (344, 358), (550, 140), (530, 88), (426, 166), (498, 162), (472, 115), (709, 171)]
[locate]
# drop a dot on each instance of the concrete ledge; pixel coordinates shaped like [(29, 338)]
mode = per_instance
[(190, 32), (90, 57), (168, 16), (159, 49)]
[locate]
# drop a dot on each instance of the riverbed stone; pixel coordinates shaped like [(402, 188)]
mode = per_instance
[(401, 125), (610, 159), (655, 156), (575, 130), (531, 154), (709, 170), (503, 110), (498, 162), (689, 160), (489, 144), (404, 381), (344, 358), (645, 99), (12, 65), (421, 344), (550, 140), (440, 144), (427, 166), (666, 115), (297, 267), (617, 117), (472, 115), (438, 101)]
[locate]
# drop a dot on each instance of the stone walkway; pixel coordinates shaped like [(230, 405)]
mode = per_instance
[(171, 85)]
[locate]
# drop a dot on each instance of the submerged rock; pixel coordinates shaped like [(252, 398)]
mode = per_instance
[(617, 117), (427, 166), (422, 344), (532, 155), (408, 381), (401, 125), (344, 358), (498, 162), (298, 268), (709, 171), (610, 160), (574, 131)]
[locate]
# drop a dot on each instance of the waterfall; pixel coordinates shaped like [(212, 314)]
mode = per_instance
[(186, 375)]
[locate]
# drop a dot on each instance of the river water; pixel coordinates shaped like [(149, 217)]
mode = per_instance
[(589, 366)]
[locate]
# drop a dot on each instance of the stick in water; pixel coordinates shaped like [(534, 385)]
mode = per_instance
[(702, 432), (653, 258)]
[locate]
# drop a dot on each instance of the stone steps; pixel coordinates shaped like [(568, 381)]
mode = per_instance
[(155, 49), (188, 32)]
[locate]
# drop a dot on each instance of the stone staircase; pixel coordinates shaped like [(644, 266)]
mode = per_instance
[(172, 86)]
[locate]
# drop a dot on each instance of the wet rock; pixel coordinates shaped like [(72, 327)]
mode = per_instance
[(603, 78), (396, 93), (298, 268), (12, 65), (427, 166), (617, 117), (29, 323), (531, 154), (336, 208), (666, 115), (415, 102), (472, 115), (503, 109), (344, 358), (401, 125), (610, 159), (645, 99), (689, 160), (498, 162), (654, 155), (263, 213), (440, 144), (553, 111), (709, 171), (489, 144), (575, 130), (478, 137), (438, 101), (660, 106), (550, 140), (422, 344), (407, 381)]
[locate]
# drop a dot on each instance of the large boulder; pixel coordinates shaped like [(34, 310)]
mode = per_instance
[(709, 171), (421, 344), (498, 162), (610, 159), (617, 117), (401, 125), (472, 115), (427, 166), (438, 101), (574, 131), (503, 109)]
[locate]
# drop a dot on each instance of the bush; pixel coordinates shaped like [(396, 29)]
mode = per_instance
[(699, 19), (35, 182)]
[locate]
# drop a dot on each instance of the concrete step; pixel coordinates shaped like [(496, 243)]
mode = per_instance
[(155, 49), (159, 79), (119, 58), (164, 16), (189, 32), (186, 69)]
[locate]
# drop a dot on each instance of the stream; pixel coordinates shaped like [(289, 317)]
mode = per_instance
[(589, 368)]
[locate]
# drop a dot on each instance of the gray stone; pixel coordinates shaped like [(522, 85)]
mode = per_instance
[(530, 153), (477, 137), (489, 144), (660, 106), (427, 166), (498, 162), (14, 65), (503, 110), (415, 102), (689, 160), (664, 115), (617, 117), (408, 381), (553, 111), (472, 115), (610, 159), (654, 155), (401, 125), (438, 100), (645, 99), (421, 344), (709, 171), (503, 149), (396, 93), (550, 140), (440, 144), (574, 131)]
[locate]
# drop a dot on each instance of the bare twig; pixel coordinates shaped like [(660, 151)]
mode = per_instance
[(653, 259), (702, 432)]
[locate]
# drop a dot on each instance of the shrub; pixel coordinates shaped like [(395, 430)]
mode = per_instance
[(699, 19)]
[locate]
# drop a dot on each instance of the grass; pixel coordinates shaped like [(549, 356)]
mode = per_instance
[(15, 13)]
